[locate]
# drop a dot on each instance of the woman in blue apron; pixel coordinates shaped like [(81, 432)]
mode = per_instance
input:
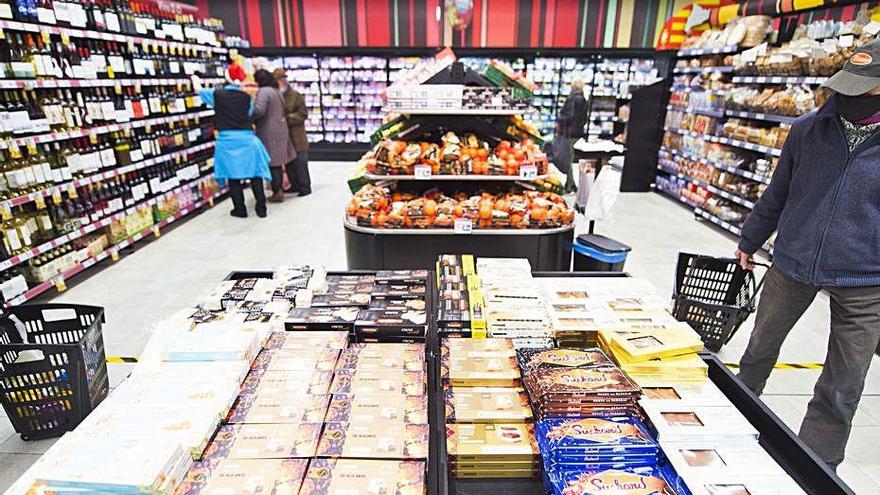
[(239, 155)]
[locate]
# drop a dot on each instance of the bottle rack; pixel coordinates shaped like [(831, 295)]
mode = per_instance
[(181, 171)]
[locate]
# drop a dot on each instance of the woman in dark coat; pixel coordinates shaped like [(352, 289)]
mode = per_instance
[(271, 127)]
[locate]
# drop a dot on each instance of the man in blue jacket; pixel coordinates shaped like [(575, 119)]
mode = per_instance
[(824, 203)]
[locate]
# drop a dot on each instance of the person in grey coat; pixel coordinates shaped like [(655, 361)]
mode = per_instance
[(271, 128)]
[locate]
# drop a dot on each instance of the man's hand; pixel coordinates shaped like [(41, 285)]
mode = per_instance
[(746, 261)]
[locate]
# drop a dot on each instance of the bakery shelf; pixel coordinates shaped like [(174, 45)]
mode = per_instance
[(698, 52), (455, 178), (727, 168), (456, 111), (711, 112), (711, 188), (722, 69), (767, 117), (779, 79)]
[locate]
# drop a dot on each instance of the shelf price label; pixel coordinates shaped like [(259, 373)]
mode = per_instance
[(59, 283), (422, 172), (463, 226), (156, 231), (40, 202), (114, 254), (528, 172)]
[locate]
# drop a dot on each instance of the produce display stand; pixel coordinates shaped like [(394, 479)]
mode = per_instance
[(374, 248)]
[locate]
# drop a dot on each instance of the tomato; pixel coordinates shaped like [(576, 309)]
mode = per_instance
[(504, 145), (485, 212), (482, 153), (502, 205), (519, 155), (458, 211)]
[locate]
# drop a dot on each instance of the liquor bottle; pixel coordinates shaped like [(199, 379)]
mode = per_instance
[(39, 121), (73, 117), (19, 64)]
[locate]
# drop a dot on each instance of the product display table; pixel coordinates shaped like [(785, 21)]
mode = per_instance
[(785, 447), (377, 249)]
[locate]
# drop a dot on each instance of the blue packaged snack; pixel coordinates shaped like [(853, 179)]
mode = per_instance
[(591, 462), (594, 436), (619, 481)]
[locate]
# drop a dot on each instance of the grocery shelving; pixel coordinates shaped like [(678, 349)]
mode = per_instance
[(112, 252), (725, 69), (698, 52), (99, 83), (813, 80), (728, 141), (727, 168)]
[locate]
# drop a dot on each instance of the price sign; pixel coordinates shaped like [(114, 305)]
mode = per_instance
[(5, 211), (422, 172), (59, 283), (44, 33), (114, 254), (71, 191), (463, 226), (211, 202), (156, 231), (2, 34), (846, 40), (40, 202), (528, 172), (93, 137), (65, 38), (871, 28), (56, 196)]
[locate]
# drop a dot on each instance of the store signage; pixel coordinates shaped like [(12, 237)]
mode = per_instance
[(463, 226)]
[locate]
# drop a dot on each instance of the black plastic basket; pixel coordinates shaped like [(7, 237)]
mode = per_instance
[(714, 296), (65, 376)]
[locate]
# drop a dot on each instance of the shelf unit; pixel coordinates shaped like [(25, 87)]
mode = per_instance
[(612, 72), (190, 185)]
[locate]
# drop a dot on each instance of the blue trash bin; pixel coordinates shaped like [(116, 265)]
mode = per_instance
[(597, 253)]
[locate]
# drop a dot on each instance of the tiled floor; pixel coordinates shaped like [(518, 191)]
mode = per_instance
[(171, 273)]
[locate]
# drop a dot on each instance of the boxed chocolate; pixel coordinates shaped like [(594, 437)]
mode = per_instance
[(479, 371), (341, 300), (683, 423), (265, 441), (379, 382), (392, 339), (398, 304), (296, 360), (486, 405), (304, 382), (359, 408), (276, 407), (224, 476), (401, 277), (380, 439), (491, 443), (389, 323), (399, 291), (350, 279), (371, 476), (530, 360), (341, 318), (308, 341), (394, 360), (624, 480)]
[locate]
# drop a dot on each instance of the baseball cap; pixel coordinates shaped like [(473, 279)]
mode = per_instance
[(279, 73), (860, 74)]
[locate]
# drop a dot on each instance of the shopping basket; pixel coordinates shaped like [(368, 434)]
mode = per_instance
[(714, 296), (53, 370)]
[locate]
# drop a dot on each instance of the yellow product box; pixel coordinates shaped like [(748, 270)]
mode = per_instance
[(487, 405), (468, 267), (479, 443), (647, 344), (480, 371)]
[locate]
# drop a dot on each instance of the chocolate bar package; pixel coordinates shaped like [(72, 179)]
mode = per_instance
[(683, 422), (309, 341), (350, 279), (395, 360), (743, 484), (386, 350), (399, 291), (296, 360), (387, 323), (392, 339), (359, 408), (455, 333), (693, 394), (494, 443), (477, 348), (530, 360), (379, 382), (341, 318), (226, 476), (623, 481), (401, 277), (594, 436), (291, 382), (471, 371), (486, 405), (398, 304), (577, 382), (381, 439), (370, 476), (708, 460), (265, 441), (341, 300), (278, 407)]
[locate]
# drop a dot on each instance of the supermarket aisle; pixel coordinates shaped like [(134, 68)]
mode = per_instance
[(163, 277)]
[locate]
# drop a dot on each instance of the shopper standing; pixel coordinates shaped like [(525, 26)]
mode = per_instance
[(272, 130), (824, 202), (569, 128), (239, 156), (297, 113)]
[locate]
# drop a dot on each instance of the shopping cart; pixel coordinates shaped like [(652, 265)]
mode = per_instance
[(714, 296)]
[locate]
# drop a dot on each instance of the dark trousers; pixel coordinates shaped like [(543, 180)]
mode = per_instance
[(855, 334), (277, 178), (236, 192), (298, 173)]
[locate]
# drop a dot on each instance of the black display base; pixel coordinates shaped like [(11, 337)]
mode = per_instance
[(379, 251)]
